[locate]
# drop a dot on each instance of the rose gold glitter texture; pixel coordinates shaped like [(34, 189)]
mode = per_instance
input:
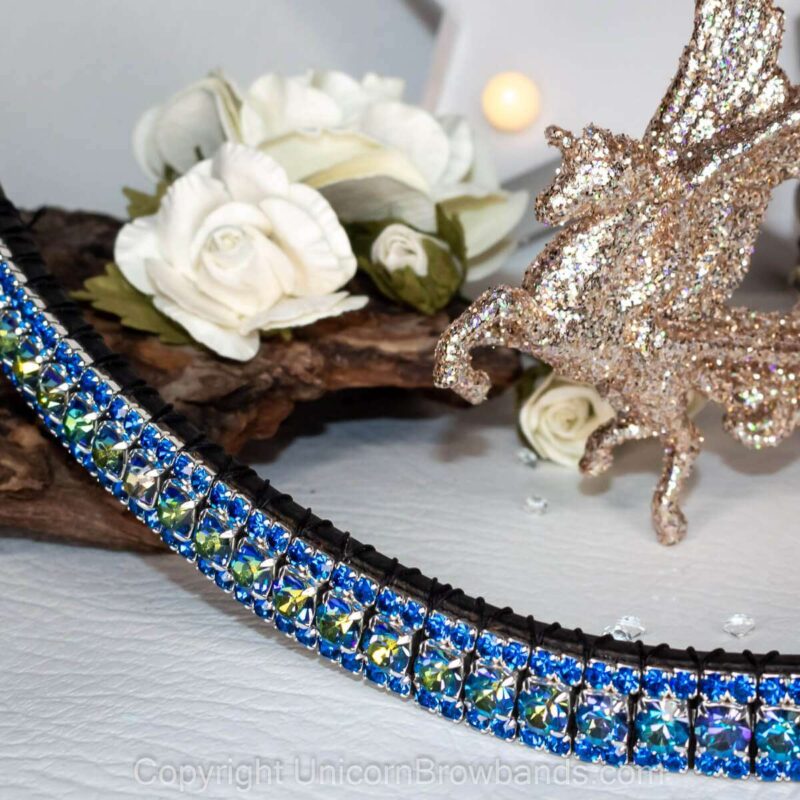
[(632, 294)]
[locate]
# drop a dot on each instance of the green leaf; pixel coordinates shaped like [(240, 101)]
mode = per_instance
[(449, 229), (427, 293), (142, 204), (113, 294)]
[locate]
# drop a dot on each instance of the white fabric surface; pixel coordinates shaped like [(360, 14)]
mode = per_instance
[(109, 659)]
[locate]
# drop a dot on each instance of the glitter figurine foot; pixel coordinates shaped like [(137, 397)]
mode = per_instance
[(631, 295)]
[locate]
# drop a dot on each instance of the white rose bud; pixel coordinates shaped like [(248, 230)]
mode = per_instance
[(236, 248), (398, 247), (559, 417)]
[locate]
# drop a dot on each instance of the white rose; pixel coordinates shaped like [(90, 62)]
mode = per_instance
[(188, 127), (559, 417), (374, 156), (398, 246), (236, 248)]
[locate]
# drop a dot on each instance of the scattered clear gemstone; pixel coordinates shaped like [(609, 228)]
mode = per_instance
[(535, 504), (626, 629), (527, 457), (739, 625)]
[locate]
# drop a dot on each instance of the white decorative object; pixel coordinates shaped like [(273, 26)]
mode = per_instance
[(398, 246), (510, 101), (373, 156), (235, 249), (559, 416)]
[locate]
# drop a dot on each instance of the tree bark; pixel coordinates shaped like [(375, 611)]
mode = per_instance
[(42, 494)]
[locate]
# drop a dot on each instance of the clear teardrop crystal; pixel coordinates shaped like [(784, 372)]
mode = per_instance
[(627, 628)]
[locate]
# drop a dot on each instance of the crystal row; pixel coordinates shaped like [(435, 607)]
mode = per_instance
[(715, 723)]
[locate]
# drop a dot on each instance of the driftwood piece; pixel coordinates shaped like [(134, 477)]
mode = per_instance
[(43, 494)]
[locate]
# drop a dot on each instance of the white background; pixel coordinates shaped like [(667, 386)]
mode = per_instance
[(107, 658)]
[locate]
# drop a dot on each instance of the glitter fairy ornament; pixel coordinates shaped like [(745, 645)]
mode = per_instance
[(632, 294)]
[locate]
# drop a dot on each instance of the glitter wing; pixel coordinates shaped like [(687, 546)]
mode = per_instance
[(728, 74)]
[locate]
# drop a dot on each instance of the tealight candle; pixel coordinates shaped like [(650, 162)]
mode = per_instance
[(510, 101)]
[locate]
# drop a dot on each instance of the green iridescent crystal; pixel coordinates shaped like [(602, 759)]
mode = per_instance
[(109, 449), (53, 390), (28, 361), (9, 332), (212, 539), (386, 648), (79, 421), (175, 510), (252, 568), (544, 707), (338, 623), (439, 671), (294, 598)]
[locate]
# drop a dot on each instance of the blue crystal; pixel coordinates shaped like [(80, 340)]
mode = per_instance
[(570, 670), (602, 718), (352, 662), (436, 626), (257, 524), (102, 394), (183, 467), (736, 767), (676, 762), (220, 496), (713, 686), (743, 688), (278, 538), (543, 663), (646, 758), (238, 509), (400, 686), (365, 591), (201, 480), (767, 770), (771, 690), (388, 603), (662, 725), (165, 452), (427, 700), (89, 381), (299, 552), (794, 690), (489, 646), (684, 684), (626, 680), (778, 733), (343, 578), (722, 730), (319, 566), (708, 764), (452, 711), (376, 675), (413, 614), (598, 675), (531, 738), (515, 655), (461, 635), (489, 691), (150, 438)]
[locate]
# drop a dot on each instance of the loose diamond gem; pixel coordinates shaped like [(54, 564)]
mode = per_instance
[(438, 671), (663, 725), (213, 540), (739, 625), (53, 389), (338, 623), (490, 691), (79, 421), (627, 628), (527, 457), (252, 568), (544, 707), (140, 482), (109, 449), (778, 733), (536, 505), (176, 510)]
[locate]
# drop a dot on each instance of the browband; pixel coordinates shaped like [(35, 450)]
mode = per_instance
[(344, 598)]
